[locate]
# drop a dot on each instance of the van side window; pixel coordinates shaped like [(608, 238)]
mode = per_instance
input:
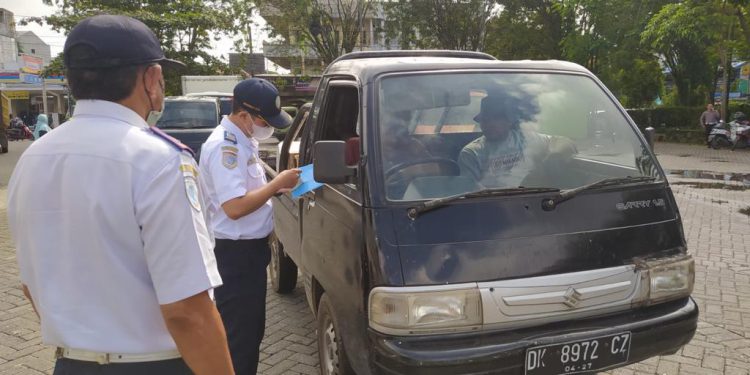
[(339, 120)]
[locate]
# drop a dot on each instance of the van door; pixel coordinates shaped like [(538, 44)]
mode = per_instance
[(332, 240)]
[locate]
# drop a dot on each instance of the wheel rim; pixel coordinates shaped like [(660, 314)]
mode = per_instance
[(274, 269), (330, 348)]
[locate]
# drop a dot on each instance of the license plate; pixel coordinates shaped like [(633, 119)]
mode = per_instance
[(578, 356)]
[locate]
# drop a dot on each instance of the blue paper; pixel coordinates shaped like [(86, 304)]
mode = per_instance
[(307, 182)]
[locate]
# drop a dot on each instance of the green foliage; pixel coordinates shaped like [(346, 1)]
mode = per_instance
[(527, 29), (683, 34), (331, 27), (184, 27), (438, 24)]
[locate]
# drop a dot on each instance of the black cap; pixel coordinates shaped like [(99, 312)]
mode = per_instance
[(114, 41), (495, 106), (261, 98)]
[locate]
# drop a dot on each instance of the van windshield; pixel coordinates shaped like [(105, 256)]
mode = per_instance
[(448, 134), (188, 115)]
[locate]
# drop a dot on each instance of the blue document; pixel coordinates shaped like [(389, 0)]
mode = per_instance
[(306, 182)]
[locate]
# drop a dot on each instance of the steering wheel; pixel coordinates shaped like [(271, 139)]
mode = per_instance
[(435, 160)]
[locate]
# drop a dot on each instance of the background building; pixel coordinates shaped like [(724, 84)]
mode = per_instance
[(23, 57)]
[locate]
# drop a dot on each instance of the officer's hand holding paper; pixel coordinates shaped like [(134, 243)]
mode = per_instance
[(307, 182)]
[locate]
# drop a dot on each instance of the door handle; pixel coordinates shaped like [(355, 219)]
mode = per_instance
[(310, 203)]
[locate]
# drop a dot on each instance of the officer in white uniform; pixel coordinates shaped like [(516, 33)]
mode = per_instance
[(120, 275), (241, 213)]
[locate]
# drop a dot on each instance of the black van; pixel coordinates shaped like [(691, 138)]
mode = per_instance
[(480, 216)]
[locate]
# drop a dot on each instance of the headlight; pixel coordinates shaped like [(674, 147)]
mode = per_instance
[(670, 278), (415, 311)]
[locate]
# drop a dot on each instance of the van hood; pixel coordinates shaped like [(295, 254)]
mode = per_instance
[(498, 238)]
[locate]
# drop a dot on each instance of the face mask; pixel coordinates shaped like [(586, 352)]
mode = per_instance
[(261, 133), (154, 116)]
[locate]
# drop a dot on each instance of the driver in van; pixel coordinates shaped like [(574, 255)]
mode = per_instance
[(506, 154)]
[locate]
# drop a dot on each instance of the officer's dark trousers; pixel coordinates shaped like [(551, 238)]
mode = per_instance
[(65, 366), (241, 300)]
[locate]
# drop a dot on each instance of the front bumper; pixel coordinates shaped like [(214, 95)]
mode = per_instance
[(660, 329)]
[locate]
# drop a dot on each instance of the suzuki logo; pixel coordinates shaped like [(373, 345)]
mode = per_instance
[(571, 297)]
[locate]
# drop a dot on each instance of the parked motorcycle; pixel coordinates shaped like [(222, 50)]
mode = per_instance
[(720, 136), (19, 133), (740, 130)]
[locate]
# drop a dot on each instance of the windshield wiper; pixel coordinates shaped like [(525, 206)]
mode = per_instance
[(415, 211), (549, 204)]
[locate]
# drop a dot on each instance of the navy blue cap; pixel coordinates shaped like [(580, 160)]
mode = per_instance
[(114, 41), (261, 98)]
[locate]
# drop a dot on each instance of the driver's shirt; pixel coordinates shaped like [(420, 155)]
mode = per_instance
[(505, 163)]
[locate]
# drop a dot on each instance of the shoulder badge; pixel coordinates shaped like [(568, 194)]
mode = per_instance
[(190, 175), (230, 137), (171, 140), (229, 157)]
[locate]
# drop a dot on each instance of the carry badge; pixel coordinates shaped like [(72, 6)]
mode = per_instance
[(229, 157), (190, 175)]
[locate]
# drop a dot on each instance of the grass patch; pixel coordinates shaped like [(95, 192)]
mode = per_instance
[(712, 185)]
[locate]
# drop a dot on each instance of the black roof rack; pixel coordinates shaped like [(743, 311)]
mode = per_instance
[(414, 53)]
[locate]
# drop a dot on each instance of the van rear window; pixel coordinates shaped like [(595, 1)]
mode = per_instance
[(188, 115)]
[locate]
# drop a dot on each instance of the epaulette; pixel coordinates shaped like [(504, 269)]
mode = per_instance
[(171, 140), (230, 137)]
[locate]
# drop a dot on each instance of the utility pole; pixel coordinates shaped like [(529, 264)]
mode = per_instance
[(44, 94)]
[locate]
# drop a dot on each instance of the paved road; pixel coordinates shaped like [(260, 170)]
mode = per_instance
[(718, 236)]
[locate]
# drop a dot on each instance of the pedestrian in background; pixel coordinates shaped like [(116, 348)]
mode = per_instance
[(709, 118), (121, 271), (241, 213)]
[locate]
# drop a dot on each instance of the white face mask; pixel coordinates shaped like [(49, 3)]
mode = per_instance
[(262, 132), (154, 116)]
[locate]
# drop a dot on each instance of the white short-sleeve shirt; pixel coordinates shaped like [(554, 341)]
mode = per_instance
[(232, 167), (109, 223)]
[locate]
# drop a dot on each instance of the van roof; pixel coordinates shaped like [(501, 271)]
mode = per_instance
[(368, 65)]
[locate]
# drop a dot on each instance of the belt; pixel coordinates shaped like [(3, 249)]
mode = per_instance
[(106, 358)]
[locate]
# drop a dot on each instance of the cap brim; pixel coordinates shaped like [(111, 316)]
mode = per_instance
[(280, 121), (172, 64)]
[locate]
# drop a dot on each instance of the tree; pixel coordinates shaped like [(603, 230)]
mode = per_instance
[(442, 24), (605, 38), (184, 27), (682, 34), (528, 29), (331, 28)]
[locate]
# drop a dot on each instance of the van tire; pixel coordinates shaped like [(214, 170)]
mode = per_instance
[(331, 353), (282, 268)]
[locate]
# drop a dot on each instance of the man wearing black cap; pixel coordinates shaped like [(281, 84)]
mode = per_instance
[(121, 275), (506, 154), (241, 213)]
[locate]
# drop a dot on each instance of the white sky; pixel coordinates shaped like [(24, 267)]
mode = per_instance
[(35, 8)]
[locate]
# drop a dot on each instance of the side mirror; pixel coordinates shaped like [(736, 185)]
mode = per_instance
[(329, 163)]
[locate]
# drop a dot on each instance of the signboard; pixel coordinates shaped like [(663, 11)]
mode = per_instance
[(30, 78), (745, 71), (17, 94), (743, 86), (31, 64)]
